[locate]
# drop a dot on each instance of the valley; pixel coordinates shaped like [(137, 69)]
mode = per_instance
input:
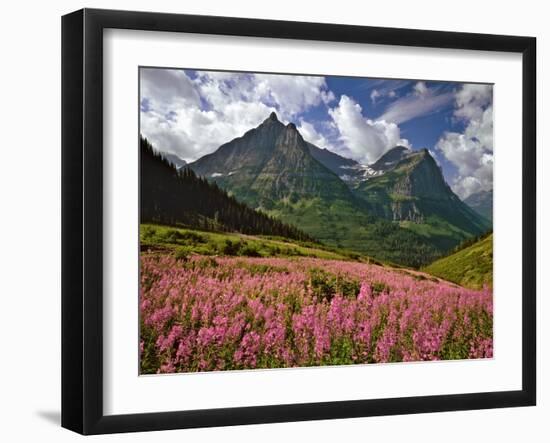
[(399, 209), (323, 235), (275, 265), (232, 302)]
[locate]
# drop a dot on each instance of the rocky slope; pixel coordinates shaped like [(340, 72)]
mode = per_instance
[(401, 201)]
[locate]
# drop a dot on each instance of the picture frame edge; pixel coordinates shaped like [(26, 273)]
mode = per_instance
[(82, 248)]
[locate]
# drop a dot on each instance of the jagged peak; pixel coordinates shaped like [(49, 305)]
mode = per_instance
[(272, 122), (424, 153), (419, 153), (390, 158), (418, 157), (290, 132), (272, 117)]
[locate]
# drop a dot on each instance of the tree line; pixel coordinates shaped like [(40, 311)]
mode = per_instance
[(470, 241), (180, 197)]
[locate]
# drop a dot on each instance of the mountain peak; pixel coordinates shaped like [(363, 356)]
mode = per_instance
[(291, 127), (390, 158), (270, 163), (425, 152), (292, 139), (425, 155), (411, 187), (272, 122)]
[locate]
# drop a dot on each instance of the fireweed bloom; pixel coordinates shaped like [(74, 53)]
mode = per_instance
[(205, 314)]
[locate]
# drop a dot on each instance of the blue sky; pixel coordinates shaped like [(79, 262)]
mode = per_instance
[(191, 113)]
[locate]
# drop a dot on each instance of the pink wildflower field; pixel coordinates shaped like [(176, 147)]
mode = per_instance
[(226, 313)]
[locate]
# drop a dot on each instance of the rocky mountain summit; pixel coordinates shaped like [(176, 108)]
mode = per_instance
[(272, 168)]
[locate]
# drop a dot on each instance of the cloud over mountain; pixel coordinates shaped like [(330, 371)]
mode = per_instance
[(366, 139), (191, 113)]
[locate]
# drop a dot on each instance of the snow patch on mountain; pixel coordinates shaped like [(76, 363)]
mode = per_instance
[(358, 173)]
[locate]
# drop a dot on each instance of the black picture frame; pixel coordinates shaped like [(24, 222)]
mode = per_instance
[(82, 218)]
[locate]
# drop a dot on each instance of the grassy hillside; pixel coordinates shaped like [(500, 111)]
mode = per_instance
[(471, 267), (184, 242), (341, 225)]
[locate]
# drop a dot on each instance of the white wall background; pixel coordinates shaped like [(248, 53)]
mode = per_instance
[(30, 220)]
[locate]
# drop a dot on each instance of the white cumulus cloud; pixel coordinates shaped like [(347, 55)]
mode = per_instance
[(312, 135), (471, 151), (166, 89), (365, 139), (193, 115)]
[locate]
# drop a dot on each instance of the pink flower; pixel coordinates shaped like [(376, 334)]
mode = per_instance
[(263, 312), (247, 353)]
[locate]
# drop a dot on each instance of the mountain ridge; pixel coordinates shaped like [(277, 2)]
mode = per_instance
[(482, 203), (272, 168), (175, 160), (414, 192), (262, 167), (390, 158)]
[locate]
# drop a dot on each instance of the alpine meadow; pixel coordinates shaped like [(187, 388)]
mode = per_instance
[(294, 221)]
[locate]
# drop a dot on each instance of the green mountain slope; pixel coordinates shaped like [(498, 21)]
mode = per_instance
[(270, 164), (271, 168), (274, 169), (413, 192), (471, 267), (185, 241)]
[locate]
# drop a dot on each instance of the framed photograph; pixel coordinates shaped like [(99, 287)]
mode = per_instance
[(269, 221)]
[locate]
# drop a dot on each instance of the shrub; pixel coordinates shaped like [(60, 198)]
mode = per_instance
[(325, 285), (182, 253), (249, 250), (231, 248)]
